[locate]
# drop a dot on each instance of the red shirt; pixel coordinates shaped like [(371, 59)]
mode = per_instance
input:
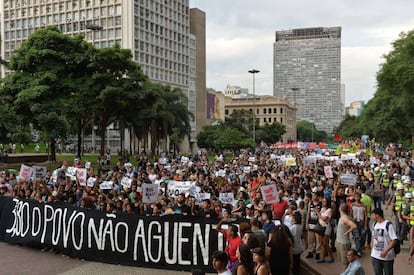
[(279, 209), (253, 185), (232, 245)]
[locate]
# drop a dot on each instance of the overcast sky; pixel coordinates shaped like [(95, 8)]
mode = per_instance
[(240, 36)]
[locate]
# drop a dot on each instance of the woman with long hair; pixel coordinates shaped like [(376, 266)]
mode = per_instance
[(325, 215), (279, 251), (261, 264), (246, 265)]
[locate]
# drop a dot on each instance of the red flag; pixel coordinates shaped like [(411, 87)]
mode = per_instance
[(337, 137)]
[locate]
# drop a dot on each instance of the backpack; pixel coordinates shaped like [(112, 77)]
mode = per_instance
[(397, 246)]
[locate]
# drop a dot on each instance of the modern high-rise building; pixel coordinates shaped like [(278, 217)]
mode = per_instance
[(157, 32), (307, 69)]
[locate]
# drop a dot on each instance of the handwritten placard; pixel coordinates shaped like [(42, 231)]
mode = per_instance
[(269, 193), (149, 192), (348, 179)]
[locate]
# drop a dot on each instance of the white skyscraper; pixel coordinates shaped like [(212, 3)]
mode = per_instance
[(307, 68)]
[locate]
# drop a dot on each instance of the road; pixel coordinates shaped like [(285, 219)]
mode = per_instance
[(16, 260)]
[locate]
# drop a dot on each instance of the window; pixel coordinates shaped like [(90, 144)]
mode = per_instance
[(264, 111), (270, 110), (281, 110), (275, 110)]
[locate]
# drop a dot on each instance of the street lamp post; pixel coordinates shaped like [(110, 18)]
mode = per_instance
[(94, 28), (254, 72)]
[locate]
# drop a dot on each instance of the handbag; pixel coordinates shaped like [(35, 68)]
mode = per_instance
[(319, 229)]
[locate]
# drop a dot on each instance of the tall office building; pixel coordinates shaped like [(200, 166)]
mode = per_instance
[(157, 32), (307, 69)]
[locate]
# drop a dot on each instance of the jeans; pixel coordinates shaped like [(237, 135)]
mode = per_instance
[(382, 267), (359, 236)]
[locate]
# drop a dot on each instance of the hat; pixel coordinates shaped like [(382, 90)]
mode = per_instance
[(259, 251), (314, 189), (128, 164), (408, 196), (250, 206), (400, 186), (395, 175), (378, 211), (406, 181), (376, 169)]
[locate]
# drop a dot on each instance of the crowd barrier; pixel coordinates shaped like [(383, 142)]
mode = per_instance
[(171, 242)]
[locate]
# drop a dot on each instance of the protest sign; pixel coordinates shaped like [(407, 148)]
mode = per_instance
[(226, 198), (349, 179), (269, 193), (71, 172), (91, 182), (106, 185), (25, 172), (126, 182), (328, 172), (290, 161), (39, 172), (199, 197), (149, 193), (175, 188), (82, 175)]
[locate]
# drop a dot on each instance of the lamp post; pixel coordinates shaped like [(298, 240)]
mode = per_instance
[(94, 28), (254, 72)]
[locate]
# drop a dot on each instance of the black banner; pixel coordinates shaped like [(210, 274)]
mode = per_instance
[(169, 242)]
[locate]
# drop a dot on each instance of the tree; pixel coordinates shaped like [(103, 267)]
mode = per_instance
[(117, 80), (349, 128), (164, 112), (45, 67), (389, 115), (220, 137), (307, 131), (270, 133)]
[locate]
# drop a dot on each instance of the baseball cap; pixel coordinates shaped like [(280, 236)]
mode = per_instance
[(250, 206), (408, 196), (400, 186)]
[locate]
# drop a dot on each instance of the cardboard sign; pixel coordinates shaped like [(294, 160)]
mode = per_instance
[(71, 172), (126, 182), (199, 197), (175, 188), (290, 161), (106, 185), (328, 172), (81, 174), (39, 172), (149, 193), (25, 172), (269, 193), (349, 179), (226, 198), (91, 182)]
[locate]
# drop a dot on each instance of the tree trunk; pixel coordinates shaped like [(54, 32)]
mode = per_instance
[(53, 150), (102, 130), (79, 145)]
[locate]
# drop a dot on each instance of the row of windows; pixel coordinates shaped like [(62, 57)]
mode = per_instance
[(49, 9), (269, 110), (157, 42)]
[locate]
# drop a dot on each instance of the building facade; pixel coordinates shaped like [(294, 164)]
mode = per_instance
[(307, 69), (355, 108), (235, 91), (156, 31), (268, 109)]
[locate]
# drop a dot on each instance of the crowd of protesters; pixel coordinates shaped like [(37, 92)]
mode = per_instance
[(314, 213)]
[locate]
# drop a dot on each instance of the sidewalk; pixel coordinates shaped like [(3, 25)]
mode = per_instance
[(401, 266)]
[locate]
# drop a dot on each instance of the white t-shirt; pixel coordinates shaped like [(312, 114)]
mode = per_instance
[(227, 272), (382, 239)]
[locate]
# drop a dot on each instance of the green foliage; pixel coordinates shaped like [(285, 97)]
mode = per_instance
[(221, 137), (389, 116), (270, 133), (306, 131), (349, 128)]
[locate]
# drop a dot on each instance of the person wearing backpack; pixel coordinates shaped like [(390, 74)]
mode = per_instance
[(384, 240)]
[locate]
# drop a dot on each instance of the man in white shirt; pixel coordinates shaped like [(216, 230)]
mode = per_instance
[(383, 242)]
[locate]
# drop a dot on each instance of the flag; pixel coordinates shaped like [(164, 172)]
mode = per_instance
[(337, 137)]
